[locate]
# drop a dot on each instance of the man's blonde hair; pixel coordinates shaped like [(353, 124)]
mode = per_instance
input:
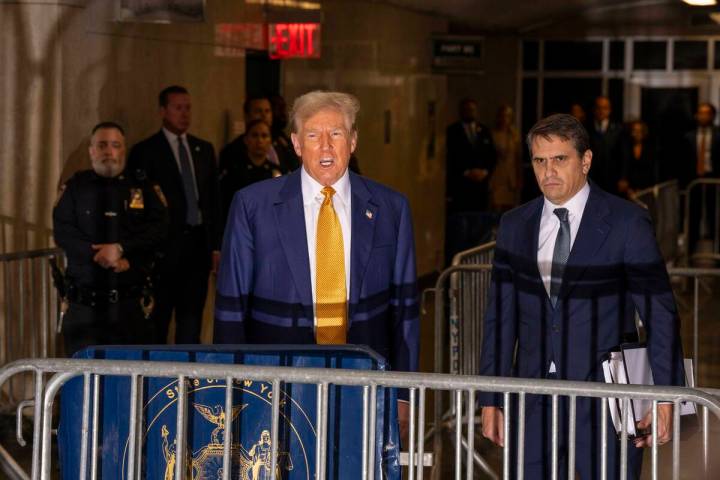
[(313, 102)]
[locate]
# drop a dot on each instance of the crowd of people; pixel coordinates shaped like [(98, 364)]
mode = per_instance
[(485, 174)]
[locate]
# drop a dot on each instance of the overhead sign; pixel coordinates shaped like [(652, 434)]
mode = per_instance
[(294, 40), (458, 53)]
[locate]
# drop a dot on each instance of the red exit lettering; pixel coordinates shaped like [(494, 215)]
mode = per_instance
[(294, 40)]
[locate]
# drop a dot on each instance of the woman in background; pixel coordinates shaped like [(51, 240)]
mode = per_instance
[(639, 167), (254, 166), (506, 180)]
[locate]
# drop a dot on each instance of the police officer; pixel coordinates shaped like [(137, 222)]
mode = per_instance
[(109, 222)]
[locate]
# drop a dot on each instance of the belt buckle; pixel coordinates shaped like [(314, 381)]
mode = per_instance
[(113, 296)]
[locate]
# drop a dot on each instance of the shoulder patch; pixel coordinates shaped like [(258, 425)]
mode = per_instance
[(160, 194)]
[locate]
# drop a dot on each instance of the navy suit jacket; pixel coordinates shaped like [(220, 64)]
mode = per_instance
[(155, 156), (264, 292), (614, 267)]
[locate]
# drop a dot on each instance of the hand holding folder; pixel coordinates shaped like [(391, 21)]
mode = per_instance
[(629, 364)]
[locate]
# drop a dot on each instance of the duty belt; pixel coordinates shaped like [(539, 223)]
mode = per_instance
[(99, 297)]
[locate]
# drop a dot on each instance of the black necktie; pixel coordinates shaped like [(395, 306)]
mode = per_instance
[(560, 254), (192, 216)]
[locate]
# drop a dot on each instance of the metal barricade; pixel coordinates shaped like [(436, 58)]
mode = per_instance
[(463, 390), (29, 315), (17, 234), (662, 202), (702, 228)]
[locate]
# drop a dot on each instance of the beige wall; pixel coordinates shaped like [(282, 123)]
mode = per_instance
[(381, 54), (494, 86)]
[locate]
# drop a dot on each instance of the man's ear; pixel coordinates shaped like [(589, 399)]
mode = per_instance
[(587, 161), (353, 141), (296, 144)]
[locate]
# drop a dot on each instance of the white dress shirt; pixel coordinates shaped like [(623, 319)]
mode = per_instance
[(312, 200), (172, 139), (549, 227), (705, 133)]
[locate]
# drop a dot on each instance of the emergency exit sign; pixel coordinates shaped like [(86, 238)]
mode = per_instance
[(294, 40)]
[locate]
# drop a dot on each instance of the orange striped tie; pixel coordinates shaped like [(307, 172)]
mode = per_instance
[(330, 289)]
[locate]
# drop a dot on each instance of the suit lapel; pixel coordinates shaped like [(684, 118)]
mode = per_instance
[(195, 155), (532, 232), (591, 235), (363, 220), (290, 218)]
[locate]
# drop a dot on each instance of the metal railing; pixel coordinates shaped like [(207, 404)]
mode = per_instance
[(29, 313), (17, 234), (463, 390), (702, 232), (459, 322), (662, 202)]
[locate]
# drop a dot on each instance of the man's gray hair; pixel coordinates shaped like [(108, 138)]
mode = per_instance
[(311, 103)]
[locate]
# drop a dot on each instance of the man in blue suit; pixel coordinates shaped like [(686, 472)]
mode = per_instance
[(274, 273), (570, 270)]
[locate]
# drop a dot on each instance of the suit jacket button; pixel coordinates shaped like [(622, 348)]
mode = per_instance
[(556, 329)]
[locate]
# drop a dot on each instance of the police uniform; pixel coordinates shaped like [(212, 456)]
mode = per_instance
[(105, 306), (238, 173)]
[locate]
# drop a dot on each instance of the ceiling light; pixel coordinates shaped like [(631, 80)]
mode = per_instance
[(701, 3)]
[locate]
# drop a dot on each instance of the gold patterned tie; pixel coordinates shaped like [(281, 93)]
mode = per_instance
[(330, 289)]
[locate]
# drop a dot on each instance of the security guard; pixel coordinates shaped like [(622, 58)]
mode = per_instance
[(110, 222)]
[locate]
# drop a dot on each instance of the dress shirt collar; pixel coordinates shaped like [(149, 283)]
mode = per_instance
[(602, 125), (312, 189), (172, 137), (575, 206)]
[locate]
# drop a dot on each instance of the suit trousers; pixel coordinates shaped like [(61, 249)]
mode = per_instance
[(182, 285), (588, 442)]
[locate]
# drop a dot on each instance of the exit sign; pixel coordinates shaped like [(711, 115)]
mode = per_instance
[(294, 40)]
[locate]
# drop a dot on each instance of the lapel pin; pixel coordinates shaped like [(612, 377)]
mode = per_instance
[(197, 149), (368, 214)]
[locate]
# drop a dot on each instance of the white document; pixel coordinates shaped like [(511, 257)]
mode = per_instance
[(631, 365)]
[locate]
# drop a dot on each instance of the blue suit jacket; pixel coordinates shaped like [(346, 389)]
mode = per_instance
[(614, 267), (264, 292)]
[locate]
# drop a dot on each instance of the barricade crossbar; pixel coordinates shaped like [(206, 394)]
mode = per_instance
[(463, 390)]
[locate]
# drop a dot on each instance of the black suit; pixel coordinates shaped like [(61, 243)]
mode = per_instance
[(607, 154), (467, 222), (183, 274), (464, 195), (687, 172), (687, 167)]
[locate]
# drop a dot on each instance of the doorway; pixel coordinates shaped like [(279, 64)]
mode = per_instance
[(669, 113)]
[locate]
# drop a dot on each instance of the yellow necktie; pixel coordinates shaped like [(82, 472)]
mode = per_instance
[(330, 289)]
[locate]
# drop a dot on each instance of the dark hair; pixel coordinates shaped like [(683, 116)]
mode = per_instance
[(253, 123), (164, 96), (467, 100), (710, 106), (107, 125), (250, 99), (561, 125)]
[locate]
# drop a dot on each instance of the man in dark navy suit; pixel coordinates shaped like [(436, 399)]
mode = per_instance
[(606, 141), (321, 255), (571, 269), (471, 159), (184, 167)]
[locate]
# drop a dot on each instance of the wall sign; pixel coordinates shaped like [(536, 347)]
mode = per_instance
[(294, 40), (457, 53)]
